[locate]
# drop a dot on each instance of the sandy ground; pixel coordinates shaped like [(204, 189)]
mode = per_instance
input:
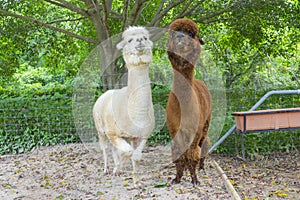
[(75, 171)]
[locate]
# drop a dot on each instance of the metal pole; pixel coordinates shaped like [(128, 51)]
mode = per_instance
[(271, 93), (267, 95)]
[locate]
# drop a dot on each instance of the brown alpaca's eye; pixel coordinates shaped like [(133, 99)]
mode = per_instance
[(130, 40), (191, 34), (173, 34)]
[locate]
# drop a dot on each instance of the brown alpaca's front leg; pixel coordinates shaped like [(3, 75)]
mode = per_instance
[(192, 167), (179, 171), (204, 152), (201, 164), (204, 145)]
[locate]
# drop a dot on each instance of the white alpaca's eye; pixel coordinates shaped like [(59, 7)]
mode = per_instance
[(130, 40), (145, 38)]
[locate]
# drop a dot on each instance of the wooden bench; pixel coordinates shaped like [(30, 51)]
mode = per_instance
[(265, 120)]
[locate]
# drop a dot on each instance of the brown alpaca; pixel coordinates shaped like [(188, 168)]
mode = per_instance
[(189, 103)]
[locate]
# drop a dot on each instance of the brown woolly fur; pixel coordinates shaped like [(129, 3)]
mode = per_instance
[(189, 104), (184, 24)]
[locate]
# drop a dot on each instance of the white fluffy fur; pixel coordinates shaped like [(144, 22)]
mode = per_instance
[(125, 117)]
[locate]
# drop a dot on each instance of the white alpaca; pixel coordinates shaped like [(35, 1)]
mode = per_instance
[(125, 117)]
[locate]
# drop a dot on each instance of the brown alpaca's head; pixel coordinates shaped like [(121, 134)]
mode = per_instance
[(184, 45)]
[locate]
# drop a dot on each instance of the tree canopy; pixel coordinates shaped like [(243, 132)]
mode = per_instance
[(59, 33)]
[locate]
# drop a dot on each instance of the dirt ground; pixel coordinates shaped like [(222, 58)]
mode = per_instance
[(74, 171)]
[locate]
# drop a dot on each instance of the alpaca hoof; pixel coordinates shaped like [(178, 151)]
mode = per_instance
[(136, 181), (137, 185), (202, 169), (195, 182), (105, 171), (175, 181), (116, 172)]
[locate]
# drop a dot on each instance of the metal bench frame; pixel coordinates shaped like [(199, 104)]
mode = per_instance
[(267, 95), (289, 122)]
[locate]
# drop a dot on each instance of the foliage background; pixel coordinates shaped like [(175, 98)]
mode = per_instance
[(254, 46)]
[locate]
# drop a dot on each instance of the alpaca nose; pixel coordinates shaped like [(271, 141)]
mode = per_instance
[(140, 46), (139, 40)]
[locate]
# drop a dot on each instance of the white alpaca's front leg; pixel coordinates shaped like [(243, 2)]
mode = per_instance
[(104, 146), (138, 145), (116, 159), (125, 151), (136, 176)]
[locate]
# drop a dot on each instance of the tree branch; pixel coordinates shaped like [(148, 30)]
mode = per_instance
[(69, 6), (125, 14), (66, 20), (94, 12), (215, 14), (116, 15), (161, 5), (136, 10), (215, 20), (188, 13), (183, 11), (157, 19), (105, 16), (109, 6), (39, 23)]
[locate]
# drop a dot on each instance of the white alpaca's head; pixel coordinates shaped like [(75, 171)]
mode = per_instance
[(136, 45)]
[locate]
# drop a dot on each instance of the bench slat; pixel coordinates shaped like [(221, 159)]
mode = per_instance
[(267, 119), (256, 112)]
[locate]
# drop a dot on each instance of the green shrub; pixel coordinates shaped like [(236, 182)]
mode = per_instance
[(29, 122)]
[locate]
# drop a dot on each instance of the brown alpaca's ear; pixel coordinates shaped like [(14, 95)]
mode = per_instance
[(201, 40)]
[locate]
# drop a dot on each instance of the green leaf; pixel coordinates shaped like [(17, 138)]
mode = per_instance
[(160, 185)]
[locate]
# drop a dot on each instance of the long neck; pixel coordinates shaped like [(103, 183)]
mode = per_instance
[(139, 91), (183, 66), (183, 89), (138, 77), (186, 73), (183, 82)]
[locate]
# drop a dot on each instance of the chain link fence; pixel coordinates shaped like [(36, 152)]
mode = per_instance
[(26, 123)]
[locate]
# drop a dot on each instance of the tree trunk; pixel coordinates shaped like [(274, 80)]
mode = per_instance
[(112, 67), (108, 52)]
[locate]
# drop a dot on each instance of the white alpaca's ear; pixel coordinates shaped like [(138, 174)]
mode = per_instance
[(151, 43), (121, 45)]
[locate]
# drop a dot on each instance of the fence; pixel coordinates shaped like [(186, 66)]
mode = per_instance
[(26, 123), (40, 121)]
